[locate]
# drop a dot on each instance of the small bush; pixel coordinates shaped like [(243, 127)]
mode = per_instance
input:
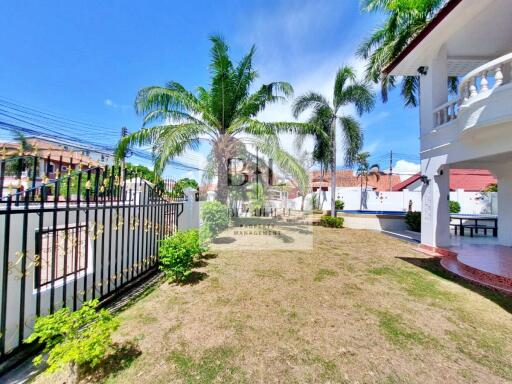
[(331, 222), (215, 218), (177, 254), (81, 338), (454, 207), (340, 204), (413, 221)]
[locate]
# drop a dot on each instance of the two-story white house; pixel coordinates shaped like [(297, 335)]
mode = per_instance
[(470, 40)]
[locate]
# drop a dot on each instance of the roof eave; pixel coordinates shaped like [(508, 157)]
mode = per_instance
[(436, 20)]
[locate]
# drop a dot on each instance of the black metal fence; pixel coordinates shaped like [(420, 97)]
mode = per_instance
[(77, 237)]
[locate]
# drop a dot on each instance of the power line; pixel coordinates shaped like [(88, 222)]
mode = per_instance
[(52, 115), (45, 131)]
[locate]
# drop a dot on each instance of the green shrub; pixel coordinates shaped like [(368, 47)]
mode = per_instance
[(332, 222), (81, 338), (413, 221), (177, 254), (454, 207), (215, 218), (340, 204)]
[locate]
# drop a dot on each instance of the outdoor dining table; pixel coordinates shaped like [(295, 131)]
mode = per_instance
[(475, 219)]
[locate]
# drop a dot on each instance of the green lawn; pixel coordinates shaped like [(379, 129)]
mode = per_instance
[(359, 307)]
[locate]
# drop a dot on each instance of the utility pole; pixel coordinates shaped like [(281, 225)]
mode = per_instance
[(390, 169), (124, 132)]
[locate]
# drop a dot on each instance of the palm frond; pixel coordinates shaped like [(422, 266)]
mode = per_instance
[(353, 138), (270, 147), (359, 94), (410, 88), (344, 75), (266, 95), (308, 100), (259, 128)]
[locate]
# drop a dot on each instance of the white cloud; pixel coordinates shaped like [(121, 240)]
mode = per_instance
[(112, 104), (405, 169), (287, 38)]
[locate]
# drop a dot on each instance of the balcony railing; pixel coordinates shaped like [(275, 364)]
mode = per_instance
[(474, 84)]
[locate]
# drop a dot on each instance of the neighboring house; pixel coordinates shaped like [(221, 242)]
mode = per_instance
[(469, 180), (470, 40), (93, 153), (51, 157), (346, 178)]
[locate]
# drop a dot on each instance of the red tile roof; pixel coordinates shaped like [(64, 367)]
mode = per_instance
[(346, 178), (404, 184), (471, 180)]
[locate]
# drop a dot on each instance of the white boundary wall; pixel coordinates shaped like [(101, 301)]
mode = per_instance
[(470, 202)]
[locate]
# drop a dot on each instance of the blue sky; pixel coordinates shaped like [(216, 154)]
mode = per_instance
[(87, 59)]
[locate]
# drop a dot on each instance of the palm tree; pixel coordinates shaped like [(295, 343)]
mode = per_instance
[(306, 160), (405, 19), (327, 115), (224, 115), (364, 171)]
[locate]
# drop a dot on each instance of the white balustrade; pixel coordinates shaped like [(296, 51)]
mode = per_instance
[(475, 83)]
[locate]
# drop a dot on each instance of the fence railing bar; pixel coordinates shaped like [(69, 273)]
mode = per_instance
[(54, 246), (96, 229), (77, 244), (87, 203), (128, 223), (5, 272), (117, 190), (23, 268), (102, 264), (123, 223), (66, 243), (144, 232), (38, 248)]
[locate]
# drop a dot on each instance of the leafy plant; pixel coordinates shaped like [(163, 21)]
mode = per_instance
[(454, 207), (184, 183), (413, 221), (177, 254), (215, 218), (331, 222), (81, 338), (340, 204)]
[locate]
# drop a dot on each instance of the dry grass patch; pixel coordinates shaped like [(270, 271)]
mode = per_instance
[(356, 307)]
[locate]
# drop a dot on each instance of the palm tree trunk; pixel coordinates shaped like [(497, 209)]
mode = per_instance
[(333, 167), (222, 182), (361, 195)]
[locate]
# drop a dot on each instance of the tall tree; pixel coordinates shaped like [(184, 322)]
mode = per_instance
[(364, 171), (328, 115), (405, 19), (224, 115)]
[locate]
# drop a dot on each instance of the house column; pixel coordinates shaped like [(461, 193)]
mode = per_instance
[(435, 215), (505, 205), (433, 89), (435, 212)]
